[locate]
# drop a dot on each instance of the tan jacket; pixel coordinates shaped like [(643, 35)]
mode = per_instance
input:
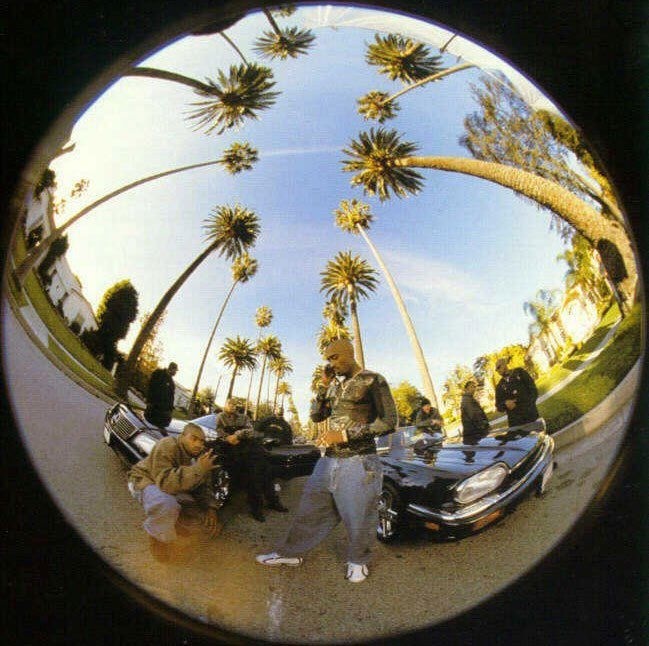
[(172, 469)]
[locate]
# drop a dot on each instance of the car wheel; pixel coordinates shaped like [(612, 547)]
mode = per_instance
[(390, 507)]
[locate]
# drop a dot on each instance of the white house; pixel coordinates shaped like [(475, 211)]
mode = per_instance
[(64, 290)]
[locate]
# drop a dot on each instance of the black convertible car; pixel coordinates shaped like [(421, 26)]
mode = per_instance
[(447, 485), (456, 487), (132, 438)]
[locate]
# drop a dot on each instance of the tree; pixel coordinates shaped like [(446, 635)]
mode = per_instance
[(238, 157), (283, 389), (542, 310), (506, 130), (453, 389), (243, 269), (228, 230), (355, 217), (281, 367), (115, 313), (237, 354), (283, 43), (150, 356), (583, 269), (227, 102), (384, 164), (57, 249), (334, 313), (347, 279), (270, 348), (205, 399), (408, 400), (263, 318)]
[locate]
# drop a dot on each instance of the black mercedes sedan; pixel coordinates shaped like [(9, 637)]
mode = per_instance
[(455, 487)]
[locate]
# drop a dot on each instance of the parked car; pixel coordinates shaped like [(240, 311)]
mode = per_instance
[(132, 437), (456, 488)]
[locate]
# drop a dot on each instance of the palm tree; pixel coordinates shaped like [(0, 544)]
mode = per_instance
[(271, 348), (334, 313), (263, 318), (349, 278), (542, 310), (283, 390), (225, 103), (280, 367), (235, 159), (385, 164), (243, 269), (237, 354), (230, 231), (355, 217), (283, 43)]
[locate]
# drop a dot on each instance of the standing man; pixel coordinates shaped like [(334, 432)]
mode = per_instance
[(428, 417), (346, 482), (160, 396), (247, 460), (516, 394), (175, 476), (474, 420)]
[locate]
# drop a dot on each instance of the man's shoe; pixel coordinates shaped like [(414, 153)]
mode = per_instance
[(356, 572), (275, 559), (258, 515), (276, 505)]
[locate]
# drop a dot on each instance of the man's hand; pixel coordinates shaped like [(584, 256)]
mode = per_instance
[(232, 439), (331, 437), (510, 404), (212, 524), (206, 461)]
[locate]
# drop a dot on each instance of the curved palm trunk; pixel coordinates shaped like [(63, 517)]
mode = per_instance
[(124, 376), (582, 217), (429, 79), (358, 343), (209, 345), (424, 373), (261, 381), (164, 75), (233, 45), (252, 374), (231, 388), (272, 22), (34, 255), (276, 393)]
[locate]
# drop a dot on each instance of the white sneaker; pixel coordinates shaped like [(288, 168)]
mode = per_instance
[(275, 559), (356, 573)]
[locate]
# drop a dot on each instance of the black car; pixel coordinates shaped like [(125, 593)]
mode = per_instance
[(132, 438), (457, 487)]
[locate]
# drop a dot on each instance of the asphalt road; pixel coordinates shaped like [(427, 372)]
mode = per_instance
[(413, 583)]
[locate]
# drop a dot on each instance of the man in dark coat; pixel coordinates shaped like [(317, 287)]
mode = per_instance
[(428, 417), (516, 394), (275, 426), (474, 420), (247, 460), (160, 396)]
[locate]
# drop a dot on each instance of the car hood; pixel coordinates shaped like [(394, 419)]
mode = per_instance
[(461, 459)]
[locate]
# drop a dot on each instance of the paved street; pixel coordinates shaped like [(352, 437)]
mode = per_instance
[(413, 583)]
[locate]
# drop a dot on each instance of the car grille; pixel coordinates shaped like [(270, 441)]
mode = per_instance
[(123, 428), (529, 461)]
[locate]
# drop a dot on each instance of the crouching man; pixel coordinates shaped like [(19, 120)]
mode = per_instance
[(174, 477)]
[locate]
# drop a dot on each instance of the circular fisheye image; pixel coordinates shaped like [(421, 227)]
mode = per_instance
[(317, 313)]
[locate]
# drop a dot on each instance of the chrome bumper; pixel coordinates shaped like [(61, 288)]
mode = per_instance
[(492, 502)]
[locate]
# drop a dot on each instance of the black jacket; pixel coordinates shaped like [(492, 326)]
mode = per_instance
[(474, 419), (519, 386), (160, 398)]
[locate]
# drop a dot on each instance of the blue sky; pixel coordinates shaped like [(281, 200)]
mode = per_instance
[(465, 253)]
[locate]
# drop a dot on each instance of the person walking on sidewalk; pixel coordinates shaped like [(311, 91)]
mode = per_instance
[(346, 482), (516, 394)]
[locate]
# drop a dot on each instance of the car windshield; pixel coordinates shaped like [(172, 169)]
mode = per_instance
[(209, 421)]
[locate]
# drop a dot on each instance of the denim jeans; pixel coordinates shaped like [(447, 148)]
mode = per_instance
[(346, 489)]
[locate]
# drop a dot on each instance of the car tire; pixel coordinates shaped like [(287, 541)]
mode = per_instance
[(390, 513)]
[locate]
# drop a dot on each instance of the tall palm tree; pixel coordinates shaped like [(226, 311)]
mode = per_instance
[(235, 159), (225, 103), (237, 354), (270, 348), (283, 390), (243, 269), (280, 367), (542, 310), (354, 216), (384, 164), (228, 230), (334, 313), (263, 318), (349, 278), (283, 43)]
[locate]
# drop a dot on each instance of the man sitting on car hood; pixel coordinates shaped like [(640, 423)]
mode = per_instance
[(174, 475)]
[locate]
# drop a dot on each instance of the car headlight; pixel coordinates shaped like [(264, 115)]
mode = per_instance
[(481, 483), (144, 442)]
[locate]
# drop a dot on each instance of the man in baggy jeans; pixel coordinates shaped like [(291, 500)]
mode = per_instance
[(346, 482)]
